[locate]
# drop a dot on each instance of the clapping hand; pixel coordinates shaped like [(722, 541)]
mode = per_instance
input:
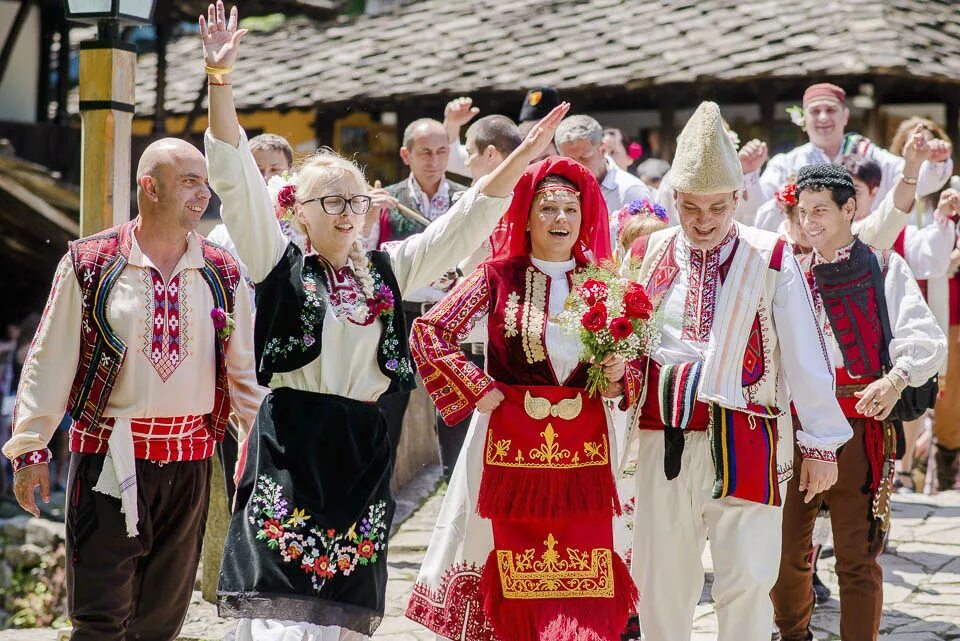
[(752, 156), (948, 206), (221, 38), (916, 151), (457, 113), (940, 150)]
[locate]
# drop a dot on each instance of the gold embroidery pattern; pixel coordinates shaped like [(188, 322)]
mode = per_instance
[(534, 318), (510, 328), (549, 454), (583, 574), (540, 408)]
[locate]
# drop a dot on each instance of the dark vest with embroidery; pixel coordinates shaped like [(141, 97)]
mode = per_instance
[(98, 261), (849, 299), (291, 306), (517, 324)]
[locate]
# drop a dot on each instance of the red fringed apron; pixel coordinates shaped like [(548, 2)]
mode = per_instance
[(548, 488)]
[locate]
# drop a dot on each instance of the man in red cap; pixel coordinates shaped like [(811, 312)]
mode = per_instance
[(825, 116)]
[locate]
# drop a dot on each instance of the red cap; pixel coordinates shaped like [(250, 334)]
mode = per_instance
[(824, 91)]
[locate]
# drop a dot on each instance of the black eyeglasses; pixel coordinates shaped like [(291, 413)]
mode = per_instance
[(335, 205)]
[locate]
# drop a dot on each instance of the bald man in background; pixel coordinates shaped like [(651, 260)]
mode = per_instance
[(147, 341)]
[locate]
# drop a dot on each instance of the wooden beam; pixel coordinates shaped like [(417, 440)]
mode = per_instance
[(39, 205), (7, 52), (195, 109), (668, 131), (43, 77), (159, 107), (107, 70)]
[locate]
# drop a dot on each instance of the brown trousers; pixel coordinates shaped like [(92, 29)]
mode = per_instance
[(122, 588), (861, 578)]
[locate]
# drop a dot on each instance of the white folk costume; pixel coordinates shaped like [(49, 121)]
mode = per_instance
[(306, 550), (523, 548), (715, 442), (149, 373), (876, 322)]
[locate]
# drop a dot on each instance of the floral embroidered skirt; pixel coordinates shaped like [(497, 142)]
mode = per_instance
[(308, 539)]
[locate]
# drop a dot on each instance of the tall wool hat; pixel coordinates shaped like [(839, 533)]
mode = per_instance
[(706, 161), (824, 91), (538, 103)]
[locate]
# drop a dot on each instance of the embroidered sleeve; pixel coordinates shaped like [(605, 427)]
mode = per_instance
[(453, 382), (49, 368), (28, 459), (632, 384), (817, 453)]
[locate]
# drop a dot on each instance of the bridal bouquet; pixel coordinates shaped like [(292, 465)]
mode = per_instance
[(612, 315)]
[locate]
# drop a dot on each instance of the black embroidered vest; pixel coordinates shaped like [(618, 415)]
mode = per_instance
[(291, 306)]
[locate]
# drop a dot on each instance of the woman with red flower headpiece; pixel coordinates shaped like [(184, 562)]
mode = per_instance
[(523, 550)]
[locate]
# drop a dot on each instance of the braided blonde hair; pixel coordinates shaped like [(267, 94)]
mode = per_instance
[(313, 174)]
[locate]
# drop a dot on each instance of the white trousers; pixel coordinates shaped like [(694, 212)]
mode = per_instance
[(674, 519), (273, 630)]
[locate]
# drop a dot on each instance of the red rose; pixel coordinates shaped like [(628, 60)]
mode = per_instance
[(620, 328), (636, 303), (595, 319), (287, 196)]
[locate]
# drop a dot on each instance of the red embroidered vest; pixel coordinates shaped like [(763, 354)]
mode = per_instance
[(517, 325), (98, 261)]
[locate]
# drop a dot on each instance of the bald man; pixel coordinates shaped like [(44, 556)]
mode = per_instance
[(147, 342)]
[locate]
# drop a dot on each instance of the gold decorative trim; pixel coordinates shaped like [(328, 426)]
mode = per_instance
[(549, 454), (582, 574), (534, 318), (540, 408), (510, 328)]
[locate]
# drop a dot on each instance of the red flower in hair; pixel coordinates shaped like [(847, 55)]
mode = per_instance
[(287, 196), (620, 328), (787, 197), (636, 302), (595, 319)]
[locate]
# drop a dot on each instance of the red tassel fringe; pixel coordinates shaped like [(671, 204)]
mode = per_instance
[(520, 494), (575, 619), (873, 443)]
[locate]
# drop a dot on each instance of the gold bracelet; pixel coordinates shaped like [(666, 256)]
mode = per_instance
[(217, 72), (908, 181)]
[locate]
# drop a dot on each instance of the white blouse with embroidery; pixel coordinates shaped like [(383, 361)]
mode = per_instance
[(348, 365), (563, 348)]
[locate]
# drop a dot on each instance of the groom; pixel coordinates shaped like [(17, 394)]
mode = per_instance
[(738, 325)]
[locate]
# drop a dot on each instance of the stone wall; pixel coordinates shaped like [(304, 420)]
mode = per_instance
[(32, 573)]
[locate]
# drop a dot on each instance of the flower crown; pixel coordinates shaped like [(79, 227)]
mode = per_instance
[(786, 197), (640, 207)]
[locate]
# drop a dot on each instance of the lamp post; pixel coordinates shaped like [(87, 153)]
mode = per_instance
[(107, 72)]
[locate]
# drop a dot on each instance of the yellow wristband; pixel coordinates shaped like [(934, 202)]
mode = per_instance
[(217, 72)]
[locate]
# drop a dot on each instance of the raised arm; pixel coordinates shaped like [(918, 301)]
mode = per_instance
[(246, 209), (424, 257), (454, 383)]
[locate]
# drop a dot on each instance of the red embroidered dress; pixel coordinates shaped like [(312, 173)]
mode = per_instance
[(524, 547)]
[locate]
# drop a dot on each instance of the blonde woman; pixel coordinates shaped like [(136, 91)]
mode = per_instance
[(305, 556)]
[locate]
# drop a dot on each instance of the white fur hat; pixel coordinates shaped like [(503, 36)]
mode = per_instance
[(706, 161)]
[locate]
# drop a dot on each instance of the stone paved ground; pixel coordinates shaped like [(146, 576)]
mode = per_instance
[(921, 580)]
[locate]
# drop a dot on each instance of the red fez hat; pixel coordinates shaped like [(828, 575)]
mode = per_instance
[(824, 91)]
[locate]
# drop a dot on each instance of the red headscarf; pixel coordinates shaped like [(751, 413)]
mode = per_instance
[(511, 238)]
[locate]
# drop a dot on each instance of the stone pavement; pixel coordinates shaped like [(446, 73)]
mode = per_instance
[(921, 580)]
